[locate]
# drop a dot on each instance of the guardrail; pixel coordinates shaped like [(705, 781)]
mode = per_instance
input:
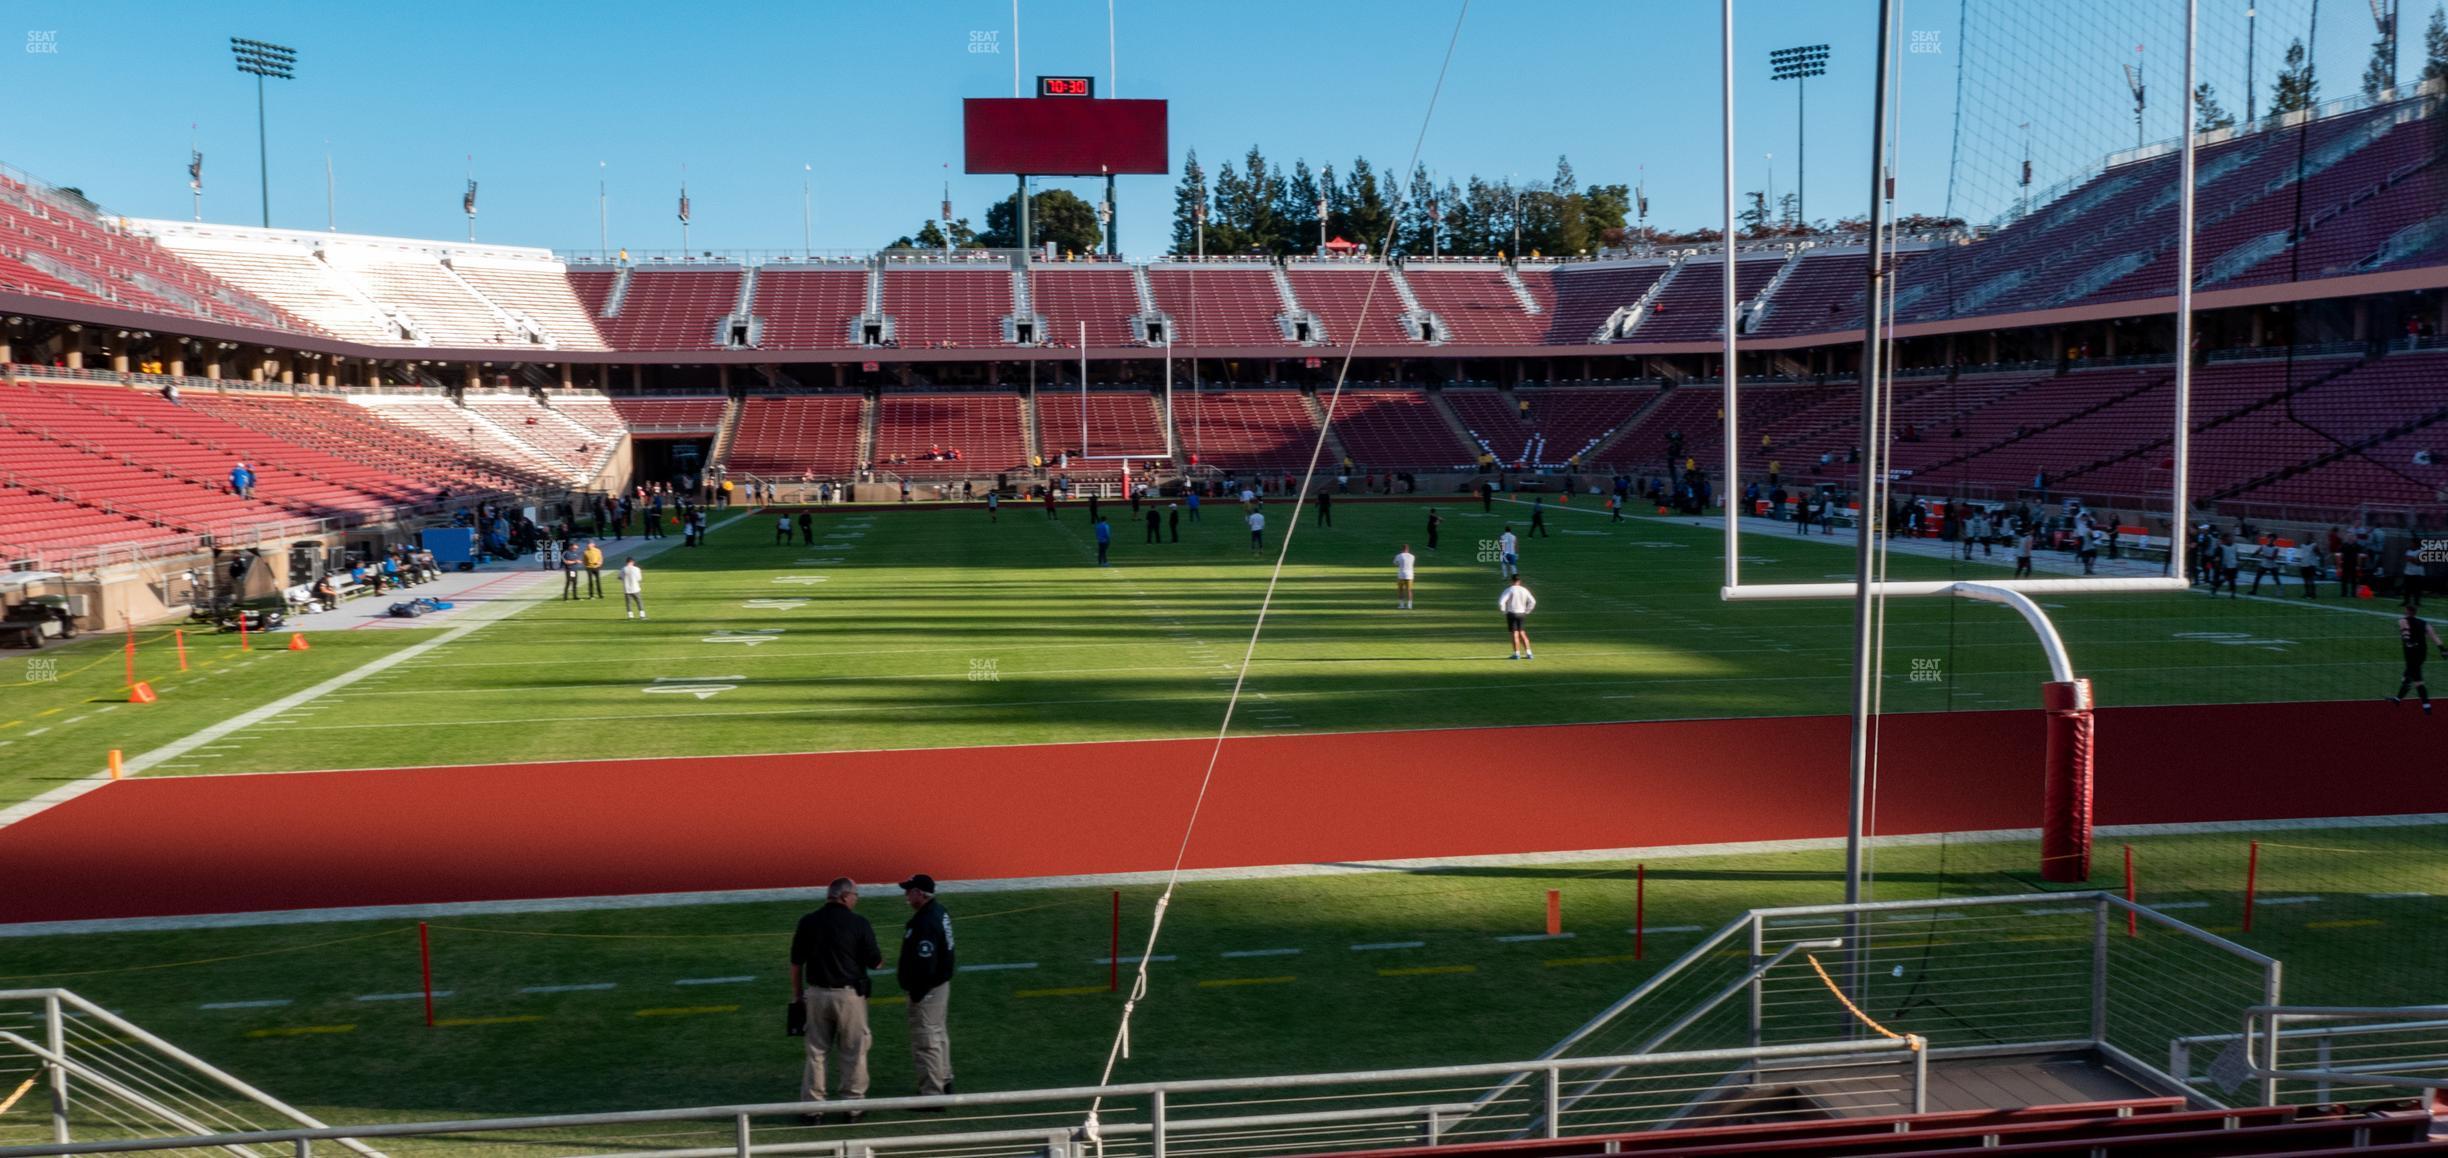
[(1218, 1117)]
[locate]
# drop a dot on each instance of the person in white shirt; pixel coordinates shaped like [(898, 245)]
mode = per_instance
[(1257, 526), (633, 590), (1517, 603), (1405, 563), (1508, 561)]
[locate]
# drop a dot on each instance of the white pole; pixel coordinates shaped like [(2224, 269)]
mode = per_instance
[(1171, 451), (1733, 445), (2181, 459), (1083, 347), (1016, 47), (1113, 76)]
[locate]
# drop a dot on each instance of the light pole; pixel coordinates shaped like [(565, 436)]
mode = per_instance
[(1798, 65), (263, 60), (2251, 26)]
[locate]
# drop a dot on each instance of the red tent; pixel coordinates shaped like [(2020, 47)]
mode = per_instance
[(1339, 245)]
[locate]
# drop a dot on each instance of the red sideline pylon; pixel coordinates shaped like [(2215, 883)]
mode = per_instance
[(297, 641), (141, 692)]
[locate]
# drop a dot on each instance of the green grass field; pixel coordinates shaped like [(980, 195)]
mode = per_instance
[(936, 628)]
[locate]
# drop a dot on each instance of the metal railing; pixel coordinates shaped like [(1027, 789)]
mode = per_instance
[(112, 1083), (1215, 1117), (2324, 1053)]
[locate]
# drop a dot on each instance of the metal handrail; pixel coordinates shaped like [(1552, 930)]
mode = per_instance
[(1153, 1090)]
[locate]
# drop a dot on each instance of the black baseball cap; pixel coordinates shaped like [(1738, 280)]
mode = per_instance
[(921, 882)]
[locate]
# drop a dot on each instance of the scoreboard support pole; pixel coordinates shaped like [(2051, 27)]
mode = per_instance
[(1024, 219), (1113, 219)]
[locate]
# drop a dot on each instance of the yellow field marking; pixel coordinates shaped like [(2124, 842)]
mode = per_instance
[(1567, 962), (49, 712), (1067, 991), (685, 1010), (2357, 923), (1225, 982), (511, 1019), (12, 724), (301, 1030), (1427, 970)]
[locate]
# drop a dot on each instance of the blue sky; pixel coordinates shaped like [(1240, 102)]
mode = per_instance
[(744, 96)]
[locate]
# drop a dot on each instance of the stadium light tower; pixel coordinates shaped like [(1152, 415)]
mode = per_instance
[(1798, 65), (263, 60), (2141, 92)]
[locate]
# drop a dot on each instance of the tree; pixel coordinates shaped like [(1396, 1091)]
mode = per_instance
[(2435, 47), (1225, 233), (2297, 88), (1252, 208), (1056, 216), (1417, 231), (2208, 114), (932, 235), (1189, 198), (2380, 74), (1299, 207), (1366, 216), (1789, 212), (1754, 219), (1606, 206)]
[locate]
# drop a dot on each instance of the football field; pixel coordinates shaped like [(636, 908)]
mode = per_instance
[(936, 628)]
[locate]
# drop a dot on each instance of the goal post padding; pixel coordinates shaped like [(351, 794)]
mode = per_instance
[(2065, 825)]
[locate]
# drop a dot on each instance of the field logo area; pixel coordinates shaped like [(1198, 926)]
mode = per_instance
[(42, 671), (984, 671), (702, 687), (1927, 671), (777, 604)]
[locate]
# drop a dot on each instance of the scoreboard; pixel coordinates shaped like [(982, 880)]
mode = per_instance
[(1064, 131)]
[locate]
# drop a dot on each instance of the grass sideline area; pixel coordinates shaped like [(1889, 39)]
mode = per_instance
[(599, 1010), (935, 627)]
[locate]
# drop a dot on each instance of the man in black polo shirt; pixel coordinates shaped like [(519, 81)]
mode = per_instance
[(925, 972), (830, 955)]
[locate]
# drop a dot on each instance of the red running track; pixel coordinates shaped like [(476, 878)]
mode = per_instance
[(213, 844)]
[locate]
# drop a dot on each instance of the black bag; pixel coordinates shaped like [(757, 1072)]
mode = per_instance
[(794, 1019)]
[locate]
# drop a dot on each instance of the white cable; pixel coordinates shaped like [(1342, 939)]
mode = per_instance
[(1120, 1048)]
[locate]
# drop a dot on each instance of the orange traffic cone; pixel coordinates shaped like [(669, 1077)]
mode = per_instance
[(297, 641), (141, 692)]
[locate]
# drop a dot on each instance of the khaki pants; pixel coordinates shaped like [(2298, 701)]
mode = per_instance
[(930, 1042), (837, 1021)]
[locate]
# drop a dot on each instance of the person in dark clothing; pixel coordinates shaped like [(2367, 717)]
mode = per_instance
[(925, 972), (1173, 520), (807, 529), (1093, 517), (1538, 518), (2416, 638), (1487, 499), (1155, 523), (1134, 497), (569, 570), (1434, 521), (830, 955), (1049, 497), (1325, 508)]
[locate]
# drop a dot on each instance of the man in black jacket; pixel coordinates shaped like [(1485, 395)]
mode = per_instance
[(925, 972), (830, 955)]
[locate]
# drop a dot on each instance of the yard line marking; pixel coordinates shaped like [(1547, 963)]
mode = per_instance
[(1229, 982), (1427, 970), (1259, 953), (588, 986), (1568, 962), (511, 1019), (36, 732), (715, 980), (1004, 965), (75, 719), (438, 994), (2393, 896), (1519, 937), (301, 1030), (1389, 945), (2359, 923), (2312, 900), (684, 1010), (267, 1003), (1128, 960), (1067, 991)]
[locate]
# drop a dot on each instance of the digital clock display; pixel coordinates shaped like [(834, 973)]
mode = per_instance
[(1066, 86)]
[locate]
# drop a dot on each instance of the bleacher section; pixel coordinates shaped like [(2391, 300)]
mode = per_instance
[(1245, 429), (1822, 294), (1119, 422), (299, 282), (786, 436), (942, 308), (356, 433), (672, 308), (813, 308), (1100, 296), (537, 289), (421, 290), (984, 427), (471, 431), (552, 438), (1218, 304), (1349, 298), (1587, 295), (1692, 306), (54, 246), (1477, 304), (1396, 430), (1562, 423)]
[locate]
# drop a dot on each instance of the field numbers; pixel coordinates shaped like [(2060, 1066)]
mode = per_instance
[(776, 604), (748, 637), (702, 687), (2236, 639)]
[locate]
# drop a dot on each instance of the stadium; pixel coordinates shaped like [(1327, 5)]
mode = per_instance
[(1690, 656)]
